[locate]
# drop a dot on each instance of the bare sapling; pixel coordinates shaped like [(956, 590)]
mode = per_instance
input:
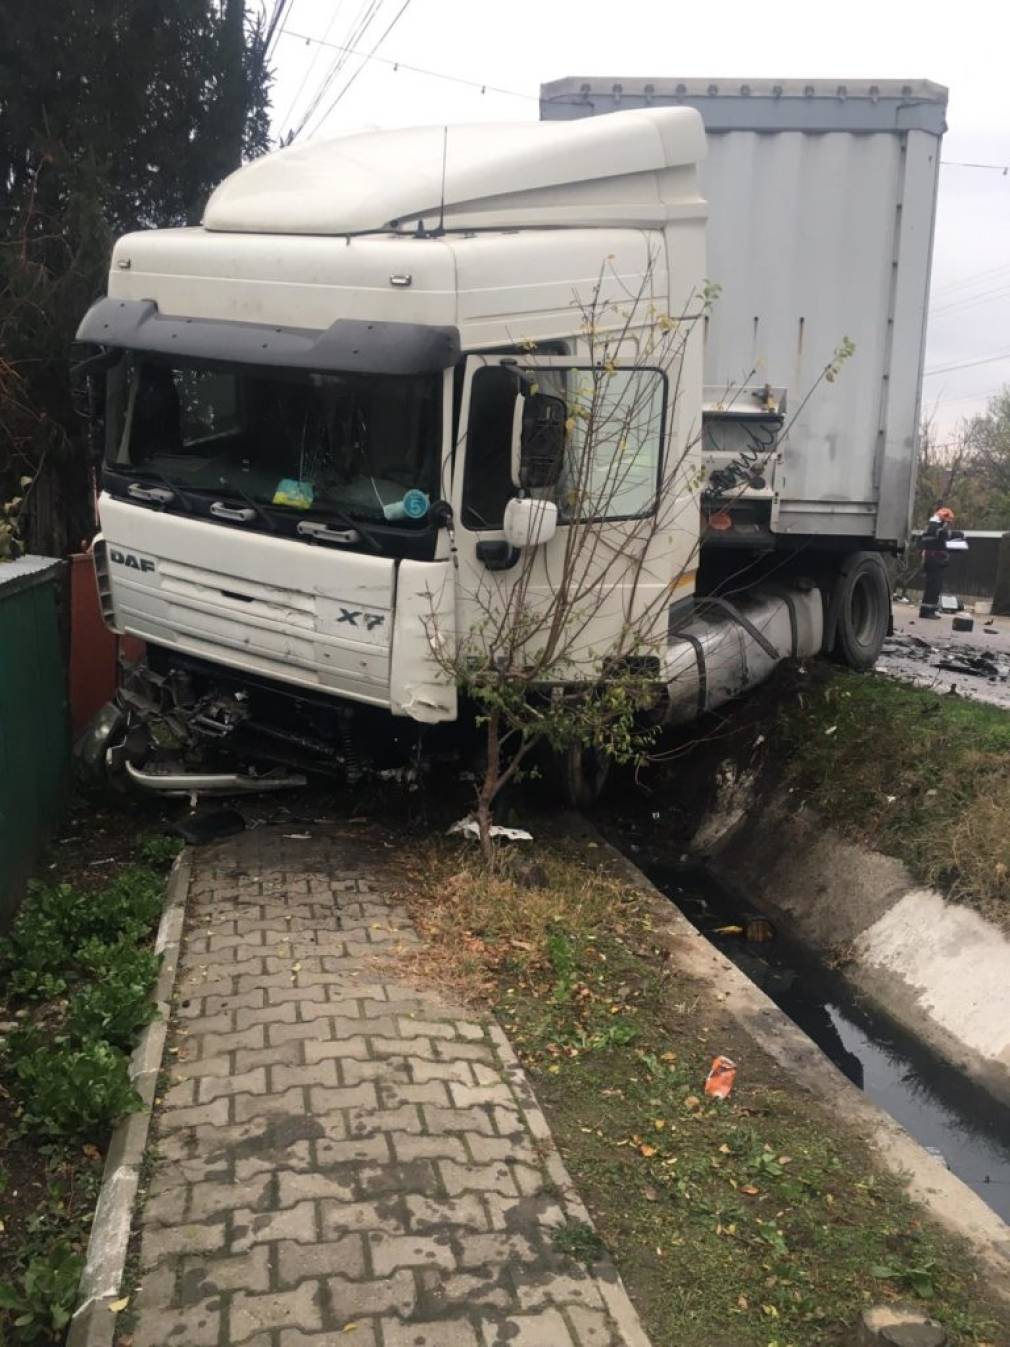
[(560, 653)]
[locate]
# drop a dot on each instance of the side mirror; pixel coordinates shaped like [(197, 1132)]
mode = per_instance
[(538, 440), (529, 522)]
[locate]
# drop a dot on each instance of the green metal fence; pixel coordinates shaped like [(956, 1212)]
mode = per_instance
[(34, 726)]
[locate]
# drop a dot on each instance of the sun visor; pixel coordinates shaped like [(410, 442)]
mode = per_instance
[(349, 344)]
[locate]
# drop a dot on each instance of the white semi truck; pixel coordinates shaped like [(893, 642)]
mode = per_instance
[(316, 404)]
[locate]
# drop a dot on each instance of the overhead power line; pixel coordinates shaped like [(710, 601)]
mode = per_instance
[(970, 301), (1002, 169), (274, 26), (965, 397), (480, 85), (968, 364), (990, 273), (386, 32), (360, 24), (286, 119)]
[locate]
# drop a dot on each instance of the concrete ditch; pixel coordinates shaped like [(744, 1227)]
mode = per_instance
[(938, 970)]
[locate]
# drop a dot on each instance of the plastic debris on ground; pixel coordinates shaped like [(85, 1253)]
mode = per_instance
[(469, 827), (721, 1076)]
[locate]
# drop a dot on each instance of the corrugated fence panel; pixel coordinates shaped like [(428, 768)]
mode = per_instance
[(34, 730)]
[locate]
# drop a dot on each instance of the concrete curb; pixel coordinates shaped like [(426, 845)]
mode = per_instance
[(945, 1197), (93, 1324), (609, 1284)]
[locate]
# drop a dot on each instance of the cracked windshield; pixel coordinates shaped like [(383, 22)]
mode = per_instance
[(366, 445)]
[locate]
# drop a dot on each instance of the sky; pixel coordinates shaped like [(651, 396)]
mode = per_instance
[(484, 60)]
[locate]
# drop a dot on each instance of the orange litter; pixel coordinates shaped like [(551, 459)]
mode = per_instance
[(720, 1078)]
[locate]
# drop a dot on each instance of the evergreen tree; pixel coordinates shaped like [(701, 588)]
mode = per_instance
[(114, 115)]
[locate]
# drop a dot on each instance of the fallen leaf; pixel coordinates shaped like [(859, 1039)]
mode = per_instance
[(750, 1190), (659, 1124), (647, 1151), (650, 1194), (348, 1328), (692, 1101), (91, 1152), (743, 1302), (117, 1306), (724, 1149)]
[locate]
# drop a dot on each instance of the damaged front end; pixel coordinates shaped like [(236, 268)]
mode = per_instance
[(178, 726)]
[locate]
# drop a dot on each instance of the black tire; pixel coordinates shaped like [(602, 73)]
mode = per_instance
[(861, 609), (581, 776)]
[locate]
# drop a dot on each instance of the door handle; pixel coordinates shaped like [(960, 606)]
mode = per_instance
[(222, 511), (158, 493), (324, 534)]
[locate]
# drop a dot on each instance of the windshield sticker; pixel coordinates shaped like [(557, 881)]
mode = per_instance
[(298, 494), (414, 505)]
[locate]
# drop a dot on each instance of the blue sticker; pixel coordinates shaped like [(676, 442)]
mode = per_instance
[(415, 504)]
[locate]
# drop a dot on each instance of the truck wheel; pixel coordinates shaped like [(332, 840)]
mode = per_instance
[(861, 608), (581, 774)]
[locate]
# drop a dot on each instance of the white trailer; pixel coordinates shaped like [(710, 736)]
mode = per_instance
[(821, 204), (311, 416)]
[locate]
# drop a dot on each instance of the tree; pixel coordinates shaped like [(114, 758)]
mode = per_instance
[(114, 115), (987, 441), (562, 653)]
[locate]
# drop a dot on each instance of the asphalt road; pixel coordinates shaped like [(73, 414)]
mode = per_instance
[(904, 656)]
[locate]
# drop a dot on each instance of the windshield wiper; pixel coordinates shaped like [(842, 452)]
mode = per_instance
[(170, 491), (356, 525)]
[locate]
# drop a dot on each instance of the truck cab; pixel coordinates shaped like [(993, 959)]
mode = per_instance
[(322, 415)]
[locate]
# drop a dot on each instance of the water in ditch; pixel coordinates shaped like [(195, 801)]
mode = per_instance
[(952, 1118)]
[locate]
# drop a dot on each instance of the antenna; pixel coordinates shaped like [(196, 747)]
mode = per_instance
[(441, 208)]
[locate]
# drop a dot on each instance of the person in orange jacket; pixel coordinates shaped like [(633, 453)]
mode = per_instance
[(935, 560)]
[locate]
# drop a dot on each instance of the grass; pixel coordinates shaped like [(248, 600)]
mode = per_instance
[(922, 777), (754, 1222)]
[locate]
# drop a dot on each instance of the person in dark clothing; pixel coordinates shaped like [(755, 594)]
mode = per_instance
[(933, 542)]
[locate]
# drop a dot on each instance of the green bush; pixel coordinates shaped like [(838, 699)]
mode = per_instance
[(158, 850), (119, 1005), (34, 984), (122, 961), (43, 1300), (68, 1091), (56, 921)]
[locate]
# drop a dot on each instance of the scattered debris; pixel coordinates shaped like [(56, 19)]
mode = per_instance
[(977, 666), (920, 662), (963, 624), (721, 1076), (899, 1326), (469, 828)]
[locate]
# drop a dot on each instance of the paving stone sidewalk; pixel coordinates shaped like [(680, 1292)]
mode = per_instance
[(339, 1158)]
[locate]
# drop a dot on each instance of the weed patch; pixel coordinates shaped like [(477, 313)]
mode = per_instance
[(919, 776)]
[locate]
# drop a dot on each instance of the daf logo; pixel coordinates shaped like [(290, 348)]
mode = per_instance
[(128, 560)]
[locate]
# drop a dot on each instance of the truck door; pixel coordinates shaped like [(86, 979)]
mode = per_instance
[(610, 489)]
